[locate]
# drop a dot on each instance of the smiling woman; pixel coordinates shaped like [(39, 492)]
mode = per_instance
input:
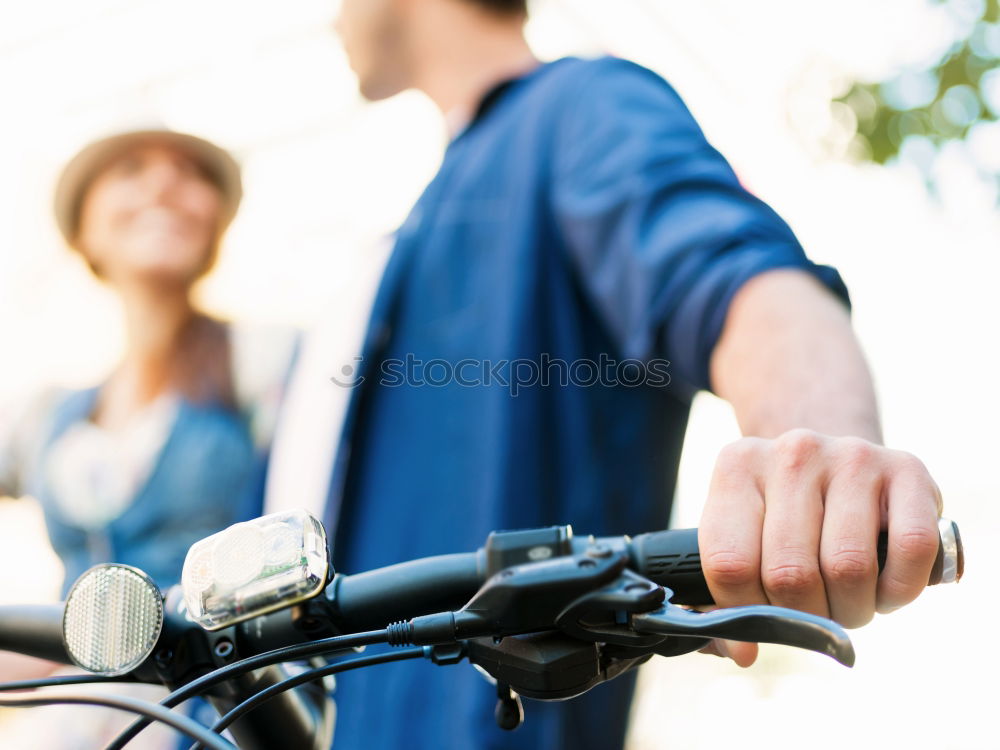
[(174, 193), (146, 210), (172, 446)]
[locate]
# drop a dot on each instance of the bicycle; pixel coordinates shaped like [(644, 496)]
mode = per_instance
[(548, 615)]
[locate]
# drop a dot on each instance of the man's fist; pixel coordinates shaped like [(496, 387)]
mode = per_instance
[(794, 522)]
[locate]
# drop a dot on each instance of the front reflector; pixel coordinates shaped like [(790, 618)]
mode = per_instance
[(254, 568), (113, 617)]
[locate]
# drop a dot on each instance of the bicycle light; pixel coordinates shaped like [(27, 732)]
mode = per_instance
[(254, 568), (112, 619)]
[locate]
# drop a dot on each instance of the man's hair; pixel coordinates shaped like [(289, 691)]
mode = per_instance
[(503, 7)]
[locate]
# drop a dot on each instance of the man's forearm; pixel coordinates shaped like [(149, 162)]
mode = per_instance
[(787, 358)]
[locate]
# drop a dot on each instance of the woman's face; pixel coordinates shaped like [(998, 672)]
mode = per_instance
[(151, 215)]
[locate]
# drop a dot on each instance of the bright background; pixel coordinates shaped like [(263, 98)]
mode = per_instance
[(327, 176)]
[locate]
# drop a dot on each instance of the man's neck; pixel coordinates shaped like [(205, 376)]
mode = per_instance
[(459, 68)]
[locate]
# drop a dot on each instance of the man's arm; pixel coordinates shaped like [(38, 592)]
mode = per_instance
[(795, 507), (788, 358), (679, 261)]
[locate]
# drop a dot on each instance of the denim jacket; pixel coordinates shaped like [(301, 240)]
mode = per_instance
[(207, 476)]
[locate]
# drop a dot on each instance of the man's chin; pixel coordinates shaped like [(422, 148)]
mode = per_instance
[(376, 91)]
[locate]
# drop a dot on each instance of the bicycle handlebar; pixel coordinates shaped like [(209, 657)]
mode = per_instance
[(373, 599), (365, 601), (669, 558), (598, 597), (33, 630)]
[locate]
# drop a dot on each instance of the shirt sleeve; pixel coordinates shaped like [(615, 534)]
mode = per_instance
[(656, 223), (23, 425), (13, 418)]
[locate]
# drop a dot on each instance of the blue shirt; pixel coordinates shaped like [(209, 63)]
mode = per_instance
[(207, 476), (581, 221)]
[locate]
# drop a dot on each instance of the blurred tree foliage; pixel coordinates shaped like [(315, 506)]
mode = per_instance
[(938, 103)]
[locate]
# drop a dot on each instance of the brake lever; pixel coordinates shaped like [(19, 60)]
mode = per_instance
[(758, 623)]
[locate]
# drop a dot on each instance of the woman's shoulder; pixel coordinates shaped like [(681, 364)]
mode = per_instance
[(26, 412), (266, 341), (261, 357), (26, 421)]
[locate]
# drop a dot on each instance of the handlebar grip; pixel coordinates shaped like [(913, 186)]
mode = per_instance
[(671, 558)]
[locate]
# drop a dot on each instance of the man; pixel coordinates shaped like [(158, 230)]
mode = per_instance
[(580, 216)]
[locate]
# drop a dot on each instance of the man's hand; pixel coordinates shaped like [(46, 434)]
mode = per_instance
[(794, 522)]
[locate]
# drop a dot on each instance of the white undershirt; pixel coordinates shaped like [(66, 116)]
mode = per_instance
[(312, 417), (96, 472)]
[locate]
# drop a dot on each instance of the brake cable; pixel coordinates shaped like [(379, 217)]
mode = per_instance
[(76, 679), (317, 673), (236, 669), (151, 711)]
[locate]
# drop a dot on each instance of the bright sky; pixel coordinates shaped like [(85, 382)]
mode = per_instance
[(326, 176)]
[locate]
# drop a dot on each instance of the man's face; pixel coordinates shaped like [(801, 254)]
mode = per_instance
[(373, 35)]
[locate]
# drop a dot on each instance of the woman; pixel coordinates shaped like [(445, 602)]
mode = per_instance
[(171, 447)]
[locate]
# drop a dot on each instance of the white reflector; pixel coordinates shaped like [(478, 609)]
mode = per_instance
[(113, 617)]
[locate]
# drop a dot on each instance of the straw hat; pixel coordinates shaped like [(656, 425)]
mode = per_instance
[(81, 170)]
